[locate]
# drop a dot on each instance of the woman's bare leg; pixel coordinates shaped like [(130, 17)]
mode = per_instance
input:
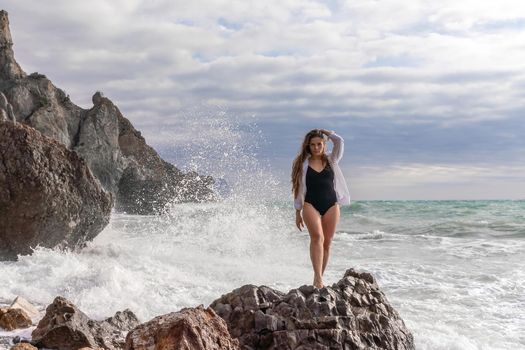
[(329, 222), (312, 219)]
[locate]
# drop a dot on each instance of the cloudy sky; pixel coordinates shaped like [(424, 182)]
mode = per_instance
[(429, 95)]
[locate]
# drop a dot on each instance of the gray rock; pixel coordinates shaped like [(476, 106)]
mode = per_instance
[(97, 98), (48, 195), (10, 114), (9, 68), (351, 314), (6, 110), (3, 101), (98, 143), (65, 327)]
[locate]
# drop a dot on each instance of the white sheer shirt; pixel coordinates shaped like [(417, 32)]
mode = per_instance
[(340, 187)]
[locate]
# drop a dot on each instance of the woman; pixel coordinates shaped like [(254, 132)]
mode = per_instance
[(319, 188)]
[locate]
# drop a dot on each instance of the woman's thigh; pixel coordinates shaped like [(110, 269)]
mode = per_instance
[(329, 222), (312, 220)]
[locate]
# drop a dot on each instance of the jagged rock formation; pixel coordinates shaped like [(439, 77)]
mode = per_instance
[(8, 66), (188, 329), (48, 196), (351, 314), (65, 327), (114, 150)]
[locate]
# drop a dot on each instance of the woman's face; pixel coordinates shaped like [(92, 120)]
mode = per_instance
[(316, 146)]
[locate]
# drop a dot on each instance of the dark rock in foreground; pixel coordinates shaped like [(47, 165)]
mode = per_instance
[(139, 179), (48, 196), (65, 327), (351, 314), (187, 329)]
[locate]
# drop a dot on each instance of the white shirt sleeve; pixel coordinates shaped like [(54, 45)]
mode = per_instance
[(339, 146), (298, 203)]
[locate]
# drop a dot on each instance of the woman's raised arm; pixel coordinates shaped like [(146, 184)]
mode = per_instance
[(339, 145)]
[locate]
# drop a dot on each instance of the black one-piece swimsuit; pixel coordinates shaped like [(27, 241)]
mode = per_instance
[(320, 189)]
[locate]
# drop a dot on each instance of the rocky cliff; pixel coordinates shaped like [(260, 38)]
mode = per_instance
[(117, 154)]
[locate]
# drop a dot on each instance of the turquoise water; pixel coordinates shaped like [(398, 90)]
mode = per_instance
[(483, 219)]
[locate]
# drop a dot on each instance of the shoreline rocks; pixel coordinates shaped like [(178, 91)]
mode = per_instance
[(351, 314)]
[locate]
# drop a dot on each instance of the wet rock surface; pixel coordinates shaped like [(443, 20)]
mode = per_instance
[(351, 314), (11, 319), (65, 327), (188, 329), (48, 195), (113, 149)]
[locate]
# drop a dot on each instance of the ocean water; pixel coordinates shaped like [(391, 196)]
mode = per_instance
[(455, 270)]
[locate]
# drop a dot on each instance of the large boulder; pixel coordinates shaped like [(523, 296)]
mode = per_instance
[(114, 150), (351, 314), (65, 327), (187, 329), (48, 195)]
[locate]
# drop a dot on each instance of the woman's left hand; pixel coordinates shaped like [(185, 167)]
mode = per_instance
[(299, 220), (327, 132)]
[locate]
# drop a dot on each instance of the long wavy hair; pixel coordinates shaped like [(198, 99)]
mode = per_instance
[(297, 165)]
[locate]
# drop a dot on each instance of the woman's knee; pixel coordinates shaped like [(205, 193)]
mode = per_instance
[(317, 239), (326, 243)]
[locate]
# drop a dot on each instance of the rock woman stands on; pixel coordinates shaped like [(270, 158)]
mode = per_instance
[(319, 188)]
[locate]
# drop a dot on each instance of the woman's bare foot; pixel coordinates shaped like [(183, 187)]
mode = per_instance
[(318, 283)]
